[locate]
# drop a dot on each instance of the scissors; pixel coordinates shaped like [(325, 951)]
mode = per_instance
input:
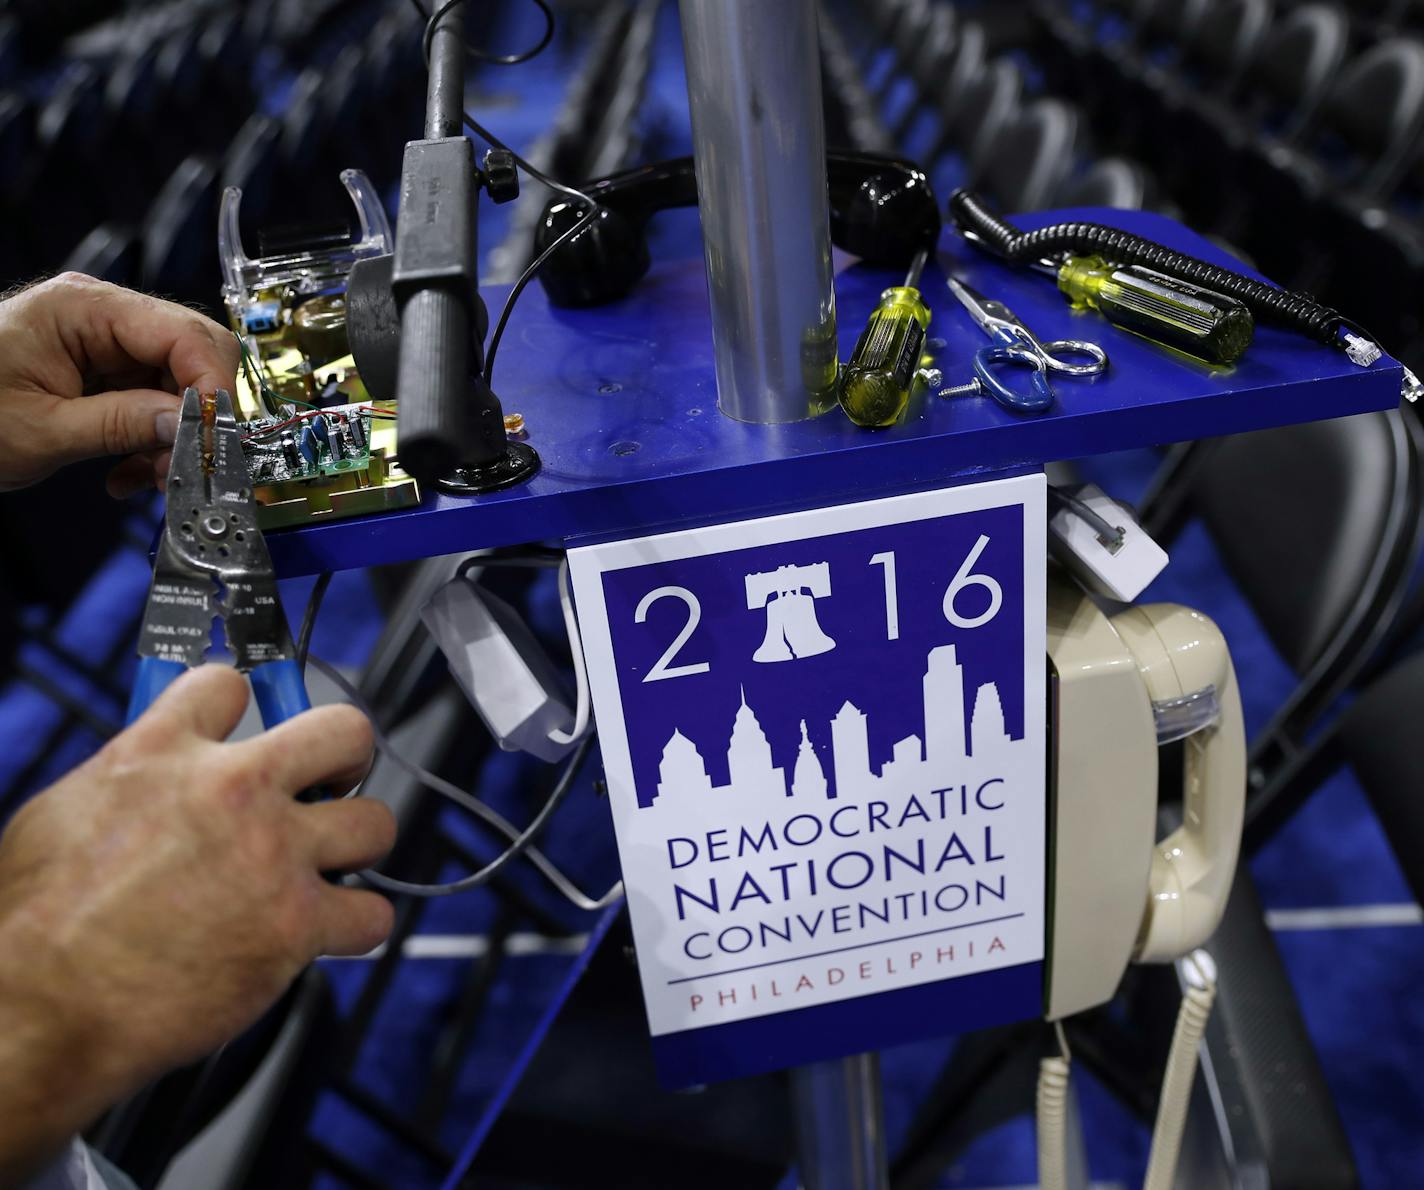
[(1014, 343)]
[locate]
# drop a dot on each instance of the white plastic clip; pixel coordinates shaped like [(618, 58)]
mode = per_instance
[(1411, 390), (1118, 565)]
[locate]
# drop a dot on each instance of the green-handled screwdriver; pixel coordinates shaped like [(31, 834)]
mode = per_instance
[(876, 383), (1201, 322)]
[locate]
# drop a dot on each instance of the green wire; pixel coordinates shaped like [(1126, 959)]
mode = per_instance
[(266, 397), (294, 401)]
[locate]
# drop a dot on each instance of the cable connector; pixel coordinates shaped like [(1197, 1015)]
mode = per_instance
[(1362, 351), (1101, 543), (1411, 390)]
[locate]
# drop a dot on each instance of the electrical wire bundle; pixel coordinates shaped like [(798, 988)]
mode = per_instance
[(307, 415), (520, 841), (257, 379)]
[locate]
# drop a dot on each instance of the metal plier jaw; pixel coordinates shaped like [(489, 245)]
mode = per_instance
[(213, 562)]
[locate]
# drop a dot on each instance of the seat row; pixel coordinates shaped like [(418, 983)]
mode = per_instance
[(142, 121), (972, 114)]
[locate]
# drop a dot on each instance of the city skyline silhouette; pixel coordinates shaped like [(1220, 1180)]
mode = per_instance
[(917, 762)]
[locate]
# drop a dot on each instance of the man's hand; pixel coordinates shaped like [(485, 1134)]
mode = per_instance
[(161, 896), (89, 369)]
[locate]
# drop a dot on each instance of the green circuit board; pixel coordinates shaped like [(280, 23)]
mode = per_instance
[(307, 445)]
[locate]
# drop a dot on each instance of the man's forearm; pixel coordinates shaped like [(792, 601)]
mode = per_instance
[(55, 1076)]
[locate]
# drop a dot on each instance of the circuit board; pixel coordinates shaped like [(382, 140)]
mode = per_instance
[(317, 445), (307, 445), (317, 448)]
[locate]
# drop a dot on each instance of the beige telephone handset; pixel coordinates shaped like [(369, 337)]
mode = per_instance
[(1126, 684)]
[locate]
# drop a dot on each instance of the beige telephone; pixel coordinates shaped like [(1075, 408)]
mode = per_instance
[(1125, 685)]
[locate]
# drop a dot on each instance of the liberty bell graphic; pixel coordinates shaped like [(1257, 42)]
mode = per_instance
[(791, 627)]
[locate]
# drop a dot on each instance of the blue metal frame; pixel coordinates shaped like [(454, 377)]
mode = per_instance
[(621, 403)]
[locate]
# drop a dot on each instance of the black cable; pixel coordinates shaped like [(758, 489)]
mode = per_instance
[(1296, 311), (535, 559), (95, 722), (524, 278), (521, 842), (431, 19), (537, 174), (533, 171), (318, 593), (466, 801), (1108, 533), (529, 273), (513, 851)]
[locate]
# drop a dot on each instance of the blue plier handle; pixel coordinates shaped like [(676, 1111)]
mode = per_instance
[(212, 561), (278, 686)]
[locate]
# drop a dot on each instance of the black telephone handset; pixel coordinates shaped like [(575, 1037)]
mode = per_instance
[(883, 210)]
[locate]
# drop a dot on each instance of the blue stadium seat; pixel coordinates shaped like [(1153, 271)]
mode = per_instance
[(1369, 122), (254, 165), (109, 252), (179, 259), (1033, 155)]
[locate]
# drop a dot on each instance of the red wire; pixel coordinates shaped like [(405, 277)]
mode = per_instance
[(282, 425), (310, 413)]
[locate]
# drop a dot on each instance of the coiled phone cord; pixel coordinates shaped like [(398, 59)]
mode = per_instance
[(1052, 1116), (1200, 974), (1296, 311), (1053, 1087)]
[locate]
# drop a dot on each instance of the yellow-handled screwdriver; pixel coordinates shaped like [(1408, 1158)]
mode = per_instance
[(1201, 322), (875, 384)]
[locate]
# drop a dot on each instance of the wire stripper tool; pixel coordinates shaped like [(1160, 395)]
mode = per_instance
[(212, 561)]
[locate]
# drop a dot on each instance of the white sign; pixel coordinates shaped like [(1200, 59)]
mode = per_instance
[(823, 735)]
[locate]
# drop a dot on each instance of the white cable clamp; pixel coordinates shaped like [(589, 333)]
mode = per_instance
[(504, 671), (1117, 567)]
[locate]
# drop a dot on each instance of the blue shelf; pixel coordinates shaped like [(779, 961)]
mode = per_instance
[(621, 404)]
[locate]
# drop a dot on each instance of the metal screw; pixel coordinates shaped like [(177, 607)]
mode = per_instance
[(970, 389), (214, 525), (932, 377)]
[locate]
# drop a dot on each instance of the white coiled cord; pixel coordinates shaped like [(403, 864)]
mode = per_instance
[(1053, 1076), (1200, 974)]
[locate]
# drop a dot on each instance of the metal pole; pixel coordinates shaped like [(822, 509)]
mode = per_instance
[(759, 146), (445, 84), (840, 1128)]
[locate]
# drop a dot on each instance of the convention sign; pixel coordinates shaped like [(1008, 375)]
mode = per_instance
[(823, 736)]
